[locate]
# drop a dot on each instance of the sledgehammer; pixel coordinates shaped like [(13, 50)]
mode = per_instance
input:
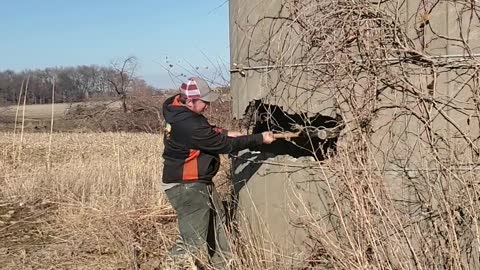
[(310, 132)]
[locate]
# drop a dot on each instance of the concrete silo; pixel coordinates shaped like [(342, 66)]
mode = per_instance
[(400, 80)]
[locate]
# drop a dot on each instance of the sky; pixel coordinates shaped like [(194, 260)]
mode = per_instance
[(170, 38)]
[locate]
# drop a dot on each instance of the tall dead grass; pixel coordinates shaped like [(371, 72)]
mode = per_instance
[(106, 211), (377, 218)]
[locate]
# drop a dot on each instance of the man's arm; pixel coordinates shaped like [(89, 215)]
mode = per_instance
[(205, 138), (227, 132)]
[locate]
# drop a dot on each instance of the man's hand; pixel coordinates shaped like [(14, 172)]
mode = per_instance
[(268, 137), (234, 134)]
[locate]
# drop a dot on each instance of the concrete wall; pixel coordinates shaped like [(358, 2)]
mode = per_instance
[(260, 48), (267, 63)]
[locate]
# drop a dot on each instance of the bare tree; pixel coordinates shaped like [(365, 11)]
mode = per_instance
[(121, 77)]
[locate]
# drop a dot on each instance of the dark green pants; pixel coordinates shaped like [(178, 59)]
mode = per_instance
[(201, 221)]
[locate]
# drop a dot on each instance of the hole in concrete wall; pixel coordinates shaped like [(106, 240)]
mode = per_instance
[(265, 117)]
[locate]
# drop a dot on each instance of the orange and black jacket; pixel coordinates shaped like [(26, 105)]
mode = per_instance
[(192, 146)]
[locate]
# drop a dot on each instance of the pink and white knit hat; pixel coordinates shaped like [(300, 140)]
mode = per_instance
[(197, 88)]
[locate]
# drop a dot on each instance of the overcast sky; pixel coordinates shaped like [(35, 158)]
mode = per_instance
[(184, 36)]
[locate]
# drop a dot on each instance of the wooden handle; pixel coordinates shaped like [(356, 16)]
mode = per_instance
[(286, 135)]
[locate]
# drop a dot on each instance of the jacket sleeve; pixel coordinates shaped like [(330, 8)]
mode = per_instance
[(205, 138)]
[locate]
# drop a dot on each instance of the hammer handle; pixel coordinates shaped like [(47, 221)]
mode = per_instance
[(286, 135)]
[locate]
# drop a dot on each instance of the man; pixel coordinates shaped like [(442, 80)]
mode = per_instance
[(191, 160)]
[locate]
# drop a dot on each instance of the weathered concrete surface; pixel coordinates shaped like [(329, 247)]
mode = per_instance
[(278, 196), (400, 146), (264, 55)]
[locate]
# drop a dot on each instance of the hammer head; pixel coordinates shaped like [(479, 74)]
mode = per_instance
[(318, 132)]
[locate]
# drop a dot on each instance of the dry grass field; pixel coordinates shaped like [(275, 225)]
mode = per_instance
[(82, 201), (43, 112), (36, 112), (37, 117), (33, 117)]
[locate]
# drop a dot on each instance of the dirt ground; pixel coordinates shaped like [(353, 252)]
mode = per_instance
[(21, 231)]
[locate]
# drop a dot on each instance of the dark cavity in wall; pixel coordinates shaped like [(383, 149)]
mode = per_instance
[(264, 117)]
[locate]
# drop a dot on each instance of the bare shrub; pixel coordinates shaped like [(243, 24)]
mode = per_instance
[(144, 114)]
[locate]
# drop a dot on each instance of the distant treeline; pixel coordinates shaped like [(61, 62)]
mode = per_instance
[(72, 84)]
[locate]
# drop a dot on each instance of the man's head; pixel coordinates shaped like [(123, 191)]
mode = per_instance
[(197, 95)]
